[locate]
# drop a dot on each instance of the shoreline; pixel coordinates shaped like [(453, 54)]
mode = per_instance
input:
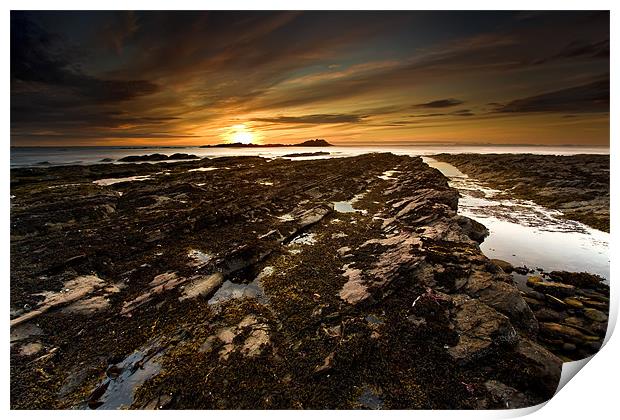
[(577, 185), (83, 155), (357, 302)]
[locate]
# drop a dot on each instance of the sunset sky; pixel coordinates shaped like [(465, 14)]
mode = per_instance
[(193, 78)]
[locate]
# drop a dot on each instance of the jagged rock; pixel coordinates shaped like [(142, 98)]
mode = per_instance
[(551, 287), (543, 365), (506, 298), (595, 315), (533, 280), (583, 280), (506, 396), (473, 229), (569, 347), (573, 303), (521, 270), (480, 328), (328, 363), (354, 290), (202, 286), (504, 265), (562, 331), (548, 314), (501, 296), (73, 290), (403, 261)]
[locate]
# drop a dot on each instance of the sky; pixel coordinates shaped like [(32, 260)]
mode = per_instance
[(195, 78)]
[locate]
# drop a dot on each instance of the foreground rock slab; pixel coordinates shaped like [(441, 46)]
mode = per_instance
[(246, 286)]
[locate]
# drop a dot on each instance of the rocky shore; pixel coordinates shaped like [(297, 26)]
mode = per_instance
[(252, 283), (577, 185)]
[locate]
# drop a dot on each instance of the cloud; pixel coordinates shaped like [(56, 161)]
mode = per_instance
[(197, 72), (314, 119), (580, 50), (41, 57), (458, 113), (591, 97), (118, 30), (440, 103)]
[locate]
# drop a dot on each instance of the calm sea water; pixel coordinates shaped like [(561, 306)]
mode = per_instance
[(45, 156)]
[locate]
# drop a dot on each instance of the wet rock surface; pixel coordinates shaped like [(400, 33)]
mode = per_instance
[(241, 286), (572, 310), (157, 157), (577, 185)]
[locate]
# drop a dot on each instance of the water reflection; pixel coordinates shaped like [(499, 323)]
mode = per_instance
[(524, 233)]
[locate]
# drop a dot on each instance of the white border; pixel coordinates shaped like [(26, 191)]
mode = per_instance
[(592, 395)]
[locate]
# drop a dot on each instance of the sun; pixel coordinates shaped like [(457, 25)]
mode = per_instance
[(241, 134)]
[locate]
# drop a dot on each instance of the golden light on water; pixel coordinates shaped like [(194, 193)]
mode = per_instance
[(239, 133)]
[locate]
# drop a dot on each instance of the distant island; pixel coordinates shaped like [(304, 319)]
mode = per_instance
[(307, 143)]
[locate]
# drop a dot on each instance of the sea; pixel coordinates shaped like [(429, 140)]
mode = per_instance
[(51, 156)]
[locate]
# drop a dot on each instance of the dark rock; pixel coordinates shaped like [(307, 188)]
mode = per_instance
[(306, 154), (506, 396), (475, 230), (569, 347), (155, 157), (504, 265), (548, 314), (562, 331), (595, 315), (440, 309), (480, 329), (521, 270), (573, 303), (583, 280), (543, 365), (551, 287)]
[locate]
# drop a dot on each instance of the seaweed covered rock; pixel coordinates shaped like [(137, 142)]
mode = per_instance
[(238, 283)]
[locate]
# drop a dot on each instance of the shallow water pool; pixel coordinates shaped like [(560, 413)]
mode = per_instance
[(524, 233)]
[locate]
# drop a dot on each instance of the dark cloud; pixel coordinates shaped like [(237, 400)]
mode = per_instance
[(581, 50), (119, 30), (459, 113), (315, 119), (463, 113), (591, 97), (41, 57), (586, 49), (120, 135), (440, 103), (177, 73)]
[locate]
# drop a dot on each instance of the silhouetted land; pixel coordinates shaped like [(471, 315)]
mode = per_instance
[(308, 143)]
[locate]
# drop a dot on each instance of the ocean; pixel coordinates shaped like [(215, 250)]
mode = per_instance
[(49, 156)]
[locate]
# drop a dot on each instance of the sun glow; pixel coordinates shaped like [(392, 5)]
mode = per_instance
[(241, 134)]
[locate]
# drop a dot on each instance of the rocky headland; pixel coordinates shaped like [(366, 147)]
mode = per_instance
[(307, 143), (577, 185), (242, 282)]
